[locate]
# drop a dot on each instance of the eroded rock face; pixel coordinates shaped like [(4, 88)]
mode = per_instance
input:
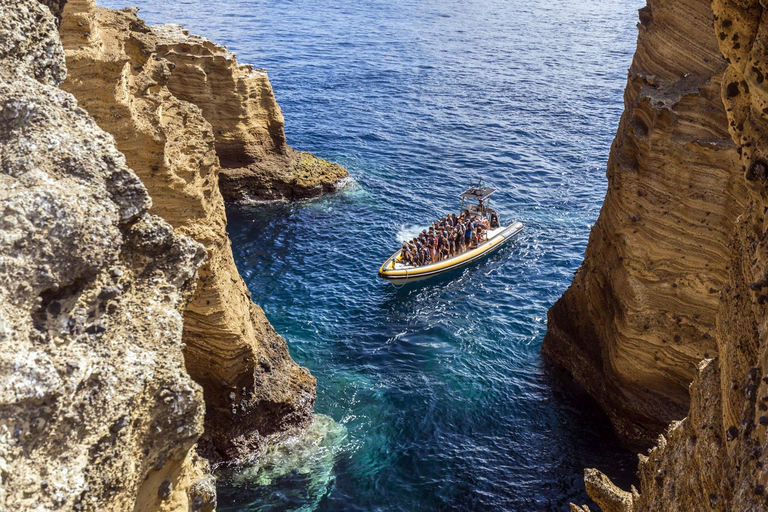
[(97, 411), (640, 313), (248, 125), (119, 72), (715, 457), (30, 44)]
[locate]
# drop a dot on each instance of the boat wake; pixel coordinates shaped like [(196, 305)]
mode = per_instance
[(407, 233)]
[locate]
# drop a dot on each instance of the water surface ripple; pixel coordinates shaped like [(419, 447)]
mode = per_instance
[(440, 397)]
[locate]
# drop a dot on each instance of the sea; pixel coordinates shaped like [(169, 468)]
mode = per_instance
[(434, 396)]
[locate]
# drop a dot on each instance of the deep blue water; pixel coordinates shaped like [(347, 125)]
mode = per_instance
[(435, 397)]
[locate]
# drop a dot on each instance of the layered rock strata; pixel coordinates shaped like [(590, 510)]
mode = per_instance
[(715, 457), (97, 411), (248, 125), (640, 313), (136, 83)]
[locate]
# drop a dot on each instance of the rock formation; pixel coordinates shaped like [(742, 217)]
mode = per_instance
[(128, 335), (640, 313), (96, 409), (238, 101), (715, 457), (140, 85)]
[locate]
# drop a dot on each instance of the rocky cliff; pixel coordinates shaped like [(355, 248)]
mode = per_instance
[(129, 341), (713, 329), (248, 125), (640, 313), (145, 86), (96, 409)]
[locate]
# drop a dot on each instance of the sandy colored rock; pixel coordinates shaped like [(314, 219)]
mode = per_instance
[(95, 403), (640, 313), (254, 391), (608, 497), (248, 125), (715, 457)]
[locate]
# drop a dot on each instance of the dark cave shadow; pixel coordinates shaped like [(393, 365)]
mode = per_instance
[(589, 428)]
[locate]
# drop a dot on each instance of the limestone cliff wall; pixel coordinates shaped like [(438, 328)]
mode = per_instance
[(97, 411), (248, 125), (640, 313), (715, 457), (136, 83)]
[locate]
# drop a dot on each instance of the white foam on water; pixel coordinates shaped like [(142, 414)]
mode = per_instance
[(406, 233)]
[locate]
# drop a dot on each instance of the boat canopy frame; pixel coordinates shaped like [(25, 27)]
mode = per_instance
[(477, 193), (480, 194)]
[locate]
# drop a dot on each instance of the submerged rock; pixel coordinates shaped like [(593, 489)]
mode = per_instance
[(309, 457)]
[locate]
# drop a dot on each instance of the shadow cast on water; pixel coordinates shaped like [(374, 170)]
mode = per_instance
[(587, 426)]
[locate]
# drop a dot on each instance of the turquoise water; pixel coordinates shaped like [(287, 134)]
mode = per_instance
[(434, 397)]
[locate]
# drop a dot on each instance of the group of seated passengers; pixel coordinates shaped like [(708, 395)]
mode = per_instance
[(445, 238)]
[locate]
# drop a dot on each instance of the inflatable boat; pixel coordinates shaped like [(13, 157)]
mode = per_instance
[(397, 272)]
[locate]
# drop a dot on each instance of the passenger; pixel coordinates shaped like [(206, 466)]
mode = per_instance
[(432, 250), (468, 234), (454, 221)]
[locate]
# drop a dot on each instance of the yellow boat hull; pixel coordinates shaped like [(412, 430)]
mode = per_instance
[(404, 275)]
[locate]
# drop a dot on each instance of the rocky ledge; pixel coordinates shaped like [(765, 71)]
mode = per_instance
[(118, 70), (248, 125)]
